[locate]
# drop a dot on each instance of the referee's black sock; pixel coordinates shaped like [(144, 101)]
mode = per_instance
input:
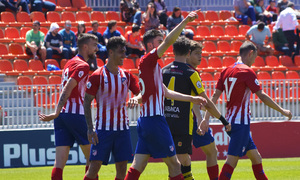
[(187, 173)]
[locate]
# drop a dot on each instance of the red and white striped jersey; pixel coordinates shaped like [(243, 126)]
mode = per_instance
[(77, 69), (151, 85), (238, 81), (111, 92)]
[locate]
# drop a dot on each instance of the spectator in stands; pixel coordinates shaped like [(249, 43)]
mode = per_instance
[(282, 4), (130, 11), (243, 10), (280, 42), (175, 19), (54, 43), (39, 5), (272, 9), (287, 20), (258, 35), (111, 31), (134, 42), (80, 28), (261, 13), (95, 26), (69, 39), (16, 5), (150, 18), (161, 11), (35, 42), (2, 7)]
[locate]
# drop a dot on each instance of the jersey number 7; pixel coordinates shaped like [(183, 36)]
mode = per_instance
[(228, 92)]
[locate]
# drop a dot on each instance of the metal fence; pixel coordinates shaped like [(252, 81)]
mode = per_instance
[(186, 5), (21, 105)]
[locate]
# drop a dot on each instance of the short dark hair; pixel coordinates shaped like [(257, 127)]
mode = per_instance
[(195, 45), (111, 24), (246, 47), (115, 42), (261, 25), (291, 5), (84, 38), (95, 22), (150, 35), (181, 46), (135, 28)]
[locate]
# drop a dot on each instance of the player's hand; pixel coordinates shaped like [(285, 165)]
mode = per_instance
[(92, 137), (132, 103), (228, 127), (287, 113), (204, 125), (49, 117), (199, 100), (192, 16)]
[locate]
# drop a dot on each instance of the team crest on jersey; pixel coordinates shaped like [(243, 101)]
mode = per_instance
[(171, 148), (94, 152), (199, 85), (89, 85), (179, 144), (256, 82), (124, 80), (80, 74), (244, 148)]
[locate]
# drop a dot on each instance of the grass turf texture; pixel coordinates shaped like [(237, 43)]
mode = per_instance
[(275, 169)]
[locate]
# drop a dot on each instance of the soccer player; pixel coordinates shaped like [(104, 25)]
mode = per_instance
[(154, 134), (180, 77), (110, 85), (238, 81), (69, 120)]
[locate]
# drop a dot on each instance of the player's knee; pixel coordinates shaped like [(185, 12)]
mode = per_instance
[(94, 168)]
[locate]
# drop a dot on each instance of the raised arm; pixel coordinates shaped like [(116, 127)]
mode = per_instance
[(172, 36)]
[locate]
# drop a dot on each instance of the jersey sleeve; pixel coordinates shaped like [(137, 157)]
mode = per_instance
[(93, 83), (134, 84), (150, 59), (252, 81), (197, 83), (80, 72)]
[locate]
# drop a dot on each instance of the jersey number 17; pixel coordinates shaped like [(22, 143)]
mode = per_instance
[(229, 91)]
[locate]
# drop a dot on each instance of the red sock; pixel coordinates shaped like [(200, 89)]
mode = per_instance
[(86, 178), (56, 174), (86, 168), (132, 174), (259, 172), (117, 178), (179, 177), (226, 172), (213, 172)]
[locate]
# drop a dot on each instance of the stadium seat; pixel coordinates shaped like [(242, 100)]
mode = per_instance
[(203, 66), (235, 46), (8, 19), (55, 82), (21, 66), (100, 62), (80, 4), (2, 38), (24, 81), (217, 76), (63, 63), (278, 78), (168, 60), (228, 61), (203, 33), (169, 51), (264, 78), (57, 8), (161, 63), (17, 51), (200, 20), (7, 68), (224, 15), (13, 34), (294, 94), (288, 63), (128, 64), (55, 63), (4, 52), (212, 16), (41, 82), (66, 5), (98, 16), (44, 30), (53, 16), (39, 16), (83, 16), (121, 30), (67, 15), (112, 15), (232, 32), (211, 48), (37, 67), (282, 94), (243, 30), (215, 63), (205, 76), (24, 18), (293, 78), (297, 60), (55, 98), (260, 65), (41, 100), (184, 14), (23, 32), (218, 32), (191, 28), (224, 47), (272, 61)]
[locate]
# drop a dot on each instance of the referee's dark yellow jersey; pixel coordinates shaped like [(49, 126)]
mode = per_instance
[(180, 77)]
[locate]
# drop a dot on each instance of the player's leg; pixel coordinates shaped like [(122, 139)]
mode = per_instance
[(227, 170), (121, 168), (137, 167), (61, 157), (174, 168), (185, 161), (86, 149), (92, 172), (211, 153)]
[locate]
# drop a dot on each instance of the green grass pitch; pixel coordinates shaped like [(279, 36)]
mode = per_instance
[(275, 169)]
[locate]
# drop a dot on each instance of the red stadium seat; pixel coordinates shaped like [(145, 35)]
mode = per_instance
[(37, 67), (205, 76), (53, 16), (217, 76), (24, 18), (218, 32), (63, 63), (2, 38), (191, 28), (215, 63), (41, 100), (288, 63), (232, 32), (272, 61), (80, 4), (128, 64), (44, 30), (212, 16), (57, 8), (211, 48), (66, 4), (17, 51), (161, 63), (200, 20), (24, 81), (203, 33), (264, 78), (168, 60), (224, 47), (224, 15), (100, 62), (23, 31), (203, 66), (98, 16), (39, 16), (235, 46), (8, 19), (292, 75), (4, 52), (112, 15), (7, 68), (281, 94), (228, 61), (55, 80), (51, 61), (297, 60), (278, 78), (294, 94), (243, 30), (12, 33), (83, 16), (21, 66), (67, 15), (41, 82), (259, 64), (121, 30), (184, 13)]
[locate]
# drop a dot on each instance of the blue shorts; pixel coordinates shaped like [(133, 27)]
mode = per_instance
[(155, 137), (199, 141), (240, 140), (116, 142), (69, 128)]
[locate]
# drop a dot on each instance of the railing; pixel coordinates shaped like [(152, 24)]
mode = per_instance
[(186, 5), (21, 105)]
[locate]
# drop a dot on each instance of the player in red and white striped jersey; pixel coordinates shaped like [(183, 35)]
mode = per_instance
[(69, 121), (238, 81), (110, 86)]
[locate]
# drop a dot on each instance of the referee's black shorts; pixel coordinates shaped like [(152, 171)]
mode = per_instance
[(183, 144)]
